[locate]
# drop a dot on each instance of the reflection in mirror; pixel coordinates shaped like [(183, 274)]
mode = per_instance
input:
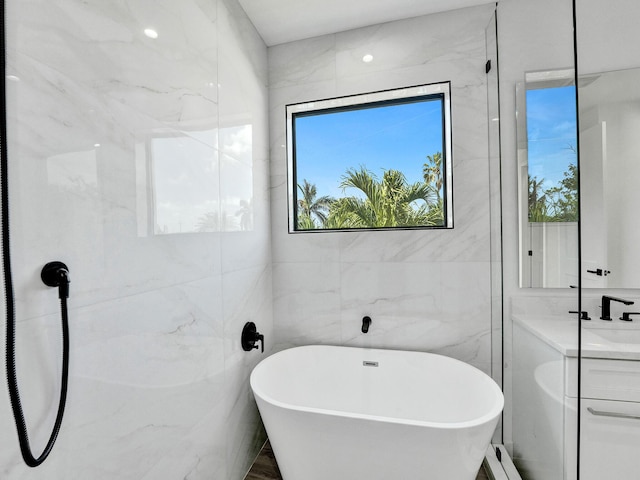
[(548, 184), (609, 176), (195, 182)]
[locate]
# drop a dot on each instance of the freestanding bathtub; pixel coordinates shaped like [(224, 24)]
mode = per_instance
[(344, 413)]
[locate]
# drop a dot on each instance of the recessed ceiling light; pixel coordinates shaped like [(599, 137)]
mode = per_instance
[(13, 78), (368, 58), (151, 33)]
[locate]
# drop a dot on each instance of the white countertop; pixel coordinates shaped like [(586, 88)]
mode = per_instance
[(561, 333)]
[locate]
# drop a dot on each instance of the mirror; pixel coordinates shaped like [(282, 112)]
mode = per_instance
[(609, 177), (609, 106), (547, 179)]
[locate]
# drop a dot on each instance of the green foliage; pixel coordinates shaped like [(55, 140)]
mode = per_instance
[(432, 172), (312, 211), (538, 209), (376, 203), (555, 204)]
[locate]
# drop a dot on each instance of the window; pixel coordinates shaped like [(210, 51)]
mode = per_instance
[(373, 161)]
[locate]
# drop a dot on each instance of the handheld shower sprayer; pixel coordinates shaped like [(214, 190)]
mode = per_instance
[(54, 274)]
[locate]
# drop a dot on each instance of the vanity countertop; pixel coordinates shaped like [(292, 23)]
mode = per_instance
[(600, 339)]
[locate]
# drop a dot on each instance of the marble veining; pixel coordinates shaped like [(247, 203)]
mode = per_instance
[(425, 290), (142, 164)]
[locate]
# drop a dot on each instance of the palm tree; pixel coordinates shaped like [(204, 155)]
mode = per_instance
[(432, 172), (538, 208), (312, 211), (390, 202)]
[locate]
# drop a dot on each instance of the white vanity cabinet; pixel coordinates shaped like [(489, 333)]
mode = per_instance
[(545, 384), (610, 419), (544, 433)]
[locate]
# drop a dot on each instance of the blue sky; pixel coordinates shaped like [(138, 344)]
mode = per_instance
[(551, 131), (395, 136)]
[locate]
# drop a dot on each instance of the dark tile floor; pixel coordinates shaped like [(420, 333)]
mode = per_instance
[(266, 468)]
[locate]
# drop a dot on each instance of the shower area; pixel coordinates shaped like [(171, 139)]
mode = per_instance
[(145, 149), (138, 155)]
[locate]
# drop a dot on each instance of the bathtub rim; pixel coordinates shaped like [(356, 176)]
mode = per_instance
[(493, 414)]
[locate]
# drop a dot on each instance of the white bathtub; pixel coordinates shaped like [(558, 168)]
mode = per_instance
[(331, 414)]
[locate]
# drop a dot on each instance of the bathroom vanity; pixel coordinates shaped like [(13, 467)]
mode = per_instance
[(545, 393)]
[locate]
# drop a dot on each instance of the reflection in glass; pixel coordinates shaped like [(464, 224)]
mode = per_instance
[(548, 183), (609, 175), (196, 182), (236, 178), (185, 184), (551, 139)]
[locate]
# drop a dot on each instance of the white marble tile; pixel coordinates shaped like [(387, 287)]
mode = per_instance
[(424, 289), (469, 121), (398, 324), (462, 243), (154, 374), (131, 359), (402, 299), (245, 429), (246, 298), (305, 247), (404, 43), (236, 28), (306, 303), (302, 62)]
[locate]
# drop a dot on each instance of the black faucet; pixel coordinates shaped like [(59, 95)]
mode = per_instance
[(366, 321), (250, 337), (584, 315), (606, 306)]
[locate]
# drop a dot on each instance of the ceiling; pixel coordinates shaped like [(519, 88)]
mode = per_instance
[(281, 21)]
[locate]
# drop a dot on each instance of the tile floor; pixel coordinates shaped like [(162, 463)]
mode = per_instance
[(266, 468)]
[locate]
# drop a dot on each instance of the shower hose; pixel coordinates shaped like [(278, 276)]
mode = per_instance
[(12, 380)]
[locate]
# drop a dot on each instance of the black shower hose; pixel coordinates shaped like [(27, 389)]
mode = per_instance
[(12, 380)]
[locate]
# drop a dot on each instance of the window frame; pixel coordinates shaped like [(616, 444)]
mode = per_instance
[(363, 101)]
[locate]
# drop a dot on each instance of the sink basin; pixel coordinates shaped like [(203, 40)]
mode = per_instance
[(618, 336)]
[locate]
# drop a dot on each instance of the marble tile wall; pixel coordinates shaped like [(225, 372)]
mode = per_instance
[(143, 165), (425, 290)]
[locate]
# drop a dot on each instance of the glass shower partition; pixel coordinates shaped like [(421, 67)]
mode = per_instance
[(541, 252), (608, 67)]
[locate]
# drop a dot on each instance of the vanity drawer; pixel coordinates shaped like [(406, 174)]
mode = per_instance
[(610, 435), (611, 379)]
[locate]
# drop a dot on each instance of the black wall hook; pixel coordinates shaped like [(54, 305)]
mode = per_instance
[(250, 337)]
